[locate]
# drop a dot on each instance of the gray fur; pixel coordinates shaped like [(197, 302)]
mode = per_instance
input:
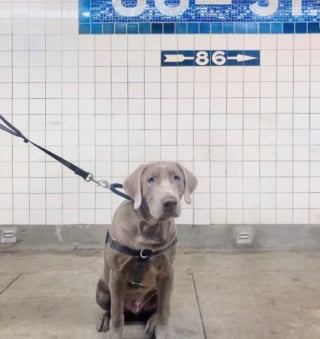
[(148, 223)]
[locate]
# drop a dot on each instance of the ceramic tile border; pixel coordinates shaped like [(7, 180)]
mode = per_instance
[(197, 17), (200, 28)]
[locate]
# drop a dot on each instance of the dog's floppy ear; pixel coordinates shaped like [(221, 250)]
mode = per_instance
[(132, 186), (190, 182)]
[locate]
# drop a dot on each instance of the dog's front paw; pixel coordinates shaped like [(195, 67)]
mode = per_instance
[(103, 322), (151, 326), (153, 330)]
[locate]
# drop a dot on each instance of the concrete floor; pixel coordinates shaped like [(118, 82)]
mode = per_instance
[(217, 296)]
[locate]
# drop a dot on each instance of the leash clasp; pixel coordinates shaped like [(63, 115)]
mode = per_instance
[(101, 183)]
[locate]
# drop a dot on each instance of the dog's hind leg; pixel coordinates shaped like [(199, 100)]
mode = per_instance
[(104, 301)]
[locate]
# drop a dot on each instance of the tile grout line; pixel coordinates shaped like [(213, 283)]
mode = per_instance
[(199, 307), (10, 283)]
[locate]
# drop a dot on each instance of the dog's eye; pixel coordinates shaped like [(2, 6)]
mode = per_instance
[(151, 180), (177, 178)]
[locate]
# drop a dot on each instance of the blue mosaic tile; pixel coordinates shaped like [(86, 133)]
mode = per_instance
[(181, 28), (156, 28), (191, 16), (216, 28), (264, 27), (252, 27), (84, 29), (276, 27), (301, 27), (132, 28), (121, 28), (84, 11), (228, 27), (313, 27), (144, 28), (205, 27), (168, 28), (193, 27), (96, 28), (288, 27), (240, 27), (108, 28)]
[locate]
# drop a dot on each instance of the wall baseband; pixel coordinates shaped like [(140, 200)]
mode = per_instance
[(207, 237)]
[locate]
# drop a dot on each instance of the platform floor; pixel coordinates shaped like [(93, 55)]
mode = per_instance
[(260, 295)]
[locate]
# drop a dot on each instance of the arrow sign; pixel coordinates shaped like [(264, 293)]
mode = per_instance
[(213, 58), (176, 58), (241, 57)]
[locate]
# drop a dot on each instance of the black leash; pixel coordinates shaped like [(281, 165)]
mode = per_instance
[(87, 176)]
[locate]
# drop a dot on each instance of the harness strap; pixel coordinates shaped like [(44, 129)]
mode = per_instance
[(142, 255), (140, 268)]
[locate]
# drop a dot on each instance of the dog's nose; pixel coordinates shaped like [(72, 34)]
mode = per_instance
[(170, 203)]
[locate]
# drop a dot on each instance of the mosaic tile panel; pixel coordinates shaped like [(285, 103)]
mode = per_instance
[(198, 16)]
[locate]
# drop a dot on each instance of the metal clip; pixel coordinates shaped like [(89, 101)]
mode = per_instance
[(89, 177), (136, 284), (145, 253), (101, 183)]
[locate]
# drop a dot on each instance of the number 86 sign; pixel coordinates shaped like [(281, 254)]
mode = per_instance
[(210, 58)]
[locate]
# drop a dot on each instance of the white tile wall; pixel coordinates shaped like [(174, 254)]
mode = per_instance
[(250, 134)]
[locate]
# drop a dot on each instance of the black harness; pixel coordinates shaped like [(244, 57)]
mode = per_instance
[(143, 257)]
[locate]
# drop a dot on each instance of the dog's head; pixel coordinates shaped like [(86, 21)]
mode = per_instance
[(160, 186)]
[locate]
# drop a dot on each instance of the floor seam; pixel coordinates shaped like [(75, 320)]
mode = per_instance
[(10, 283), (199, 307)]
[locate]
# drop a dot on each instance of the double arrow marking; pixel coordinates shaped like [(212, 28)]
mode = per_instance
[(176, 58), (182, 58), (241, 58)]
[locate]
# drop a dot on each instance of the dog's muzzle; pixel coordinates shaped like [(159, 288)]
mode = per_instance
[(170, 207)]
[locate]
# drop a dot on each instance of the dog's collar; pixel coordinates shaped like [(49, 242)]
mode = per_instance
[(142, 254)]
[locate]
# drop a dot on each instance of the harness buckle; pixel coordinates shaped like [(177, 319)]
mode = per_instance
[(145, 253), (136, 284)]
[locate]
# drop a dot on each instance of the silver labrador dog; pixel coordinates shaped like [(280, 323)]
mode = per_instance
[(140, 249)]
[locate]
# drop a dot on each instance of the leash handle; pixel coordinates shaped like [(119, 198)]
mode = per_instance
[(9, 128)]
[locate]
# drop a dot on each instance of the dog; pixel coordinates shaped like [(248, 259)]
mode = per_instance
[(140, 249)]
